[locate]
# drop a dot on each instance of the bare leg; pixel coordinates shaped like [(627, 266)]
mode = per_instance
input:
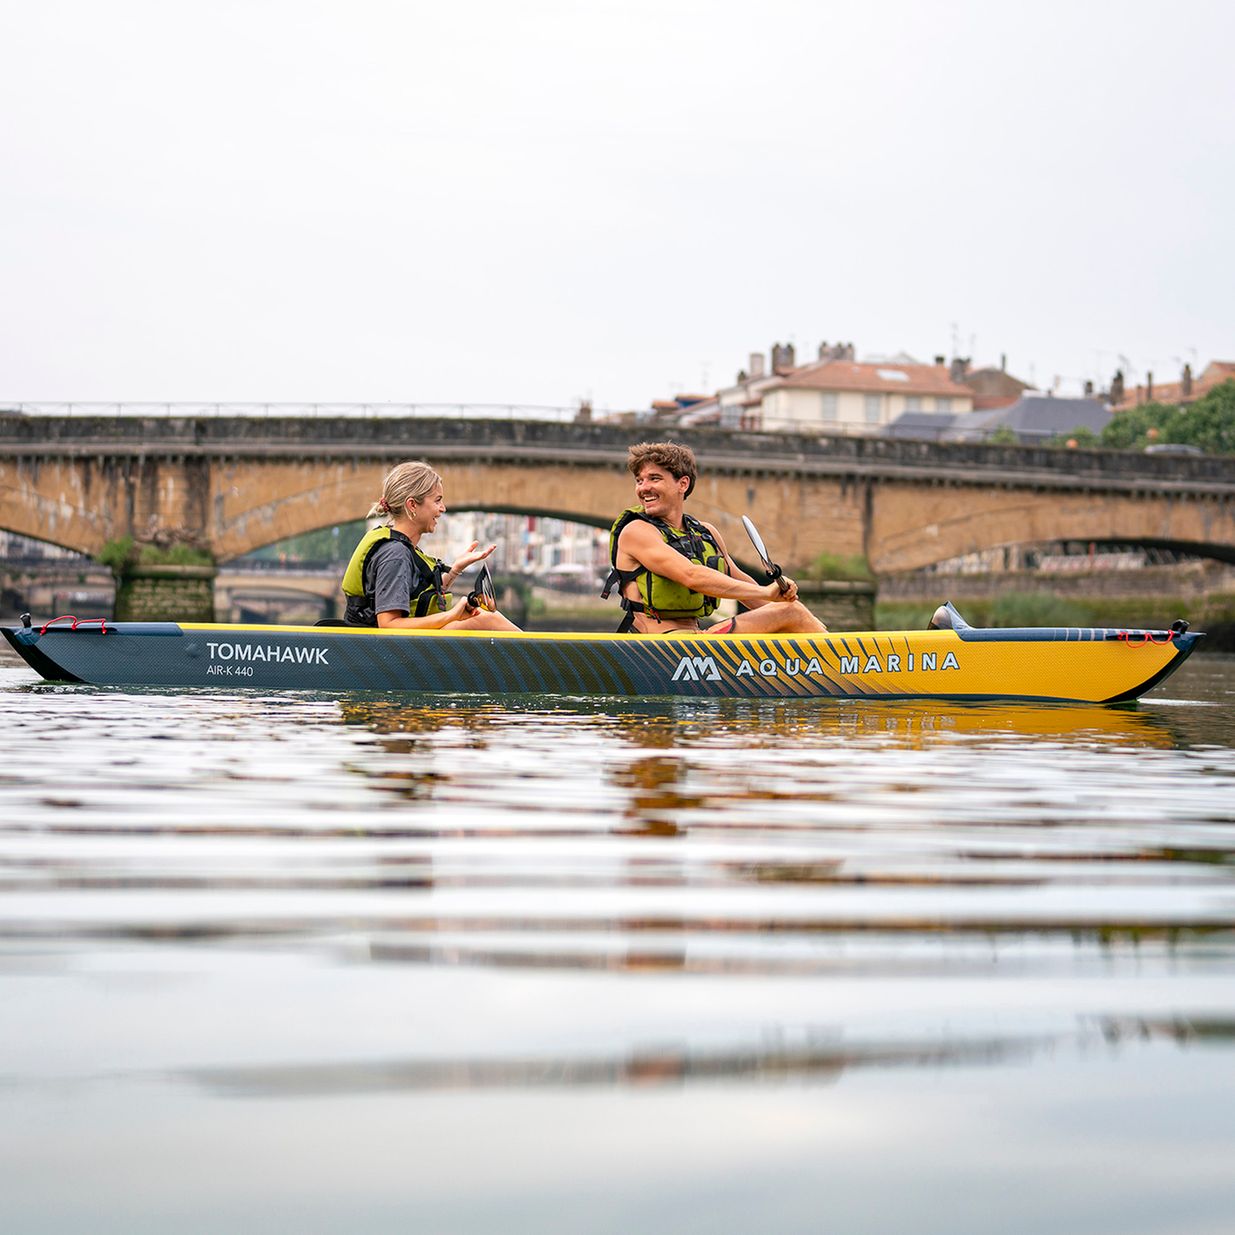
[(482, 619), (779, 617)]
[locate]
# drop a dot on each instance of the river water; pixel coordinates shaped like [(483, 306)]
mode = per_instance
[(305, 964)]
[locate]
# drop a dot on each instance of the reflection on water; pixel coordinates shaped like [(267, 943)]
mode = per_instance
[(775, 1056), (239, 900)]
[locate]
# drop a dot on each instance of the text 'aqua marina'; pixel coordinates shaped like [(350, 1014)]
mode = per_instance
[(703, 668), (269, 652)]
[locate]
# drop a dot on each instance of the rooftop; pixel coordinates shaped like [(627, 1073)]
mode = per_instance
[(917, 379)]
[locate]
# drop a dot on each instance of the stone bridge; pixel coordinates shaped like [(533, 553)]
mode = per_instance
[(235, 484)]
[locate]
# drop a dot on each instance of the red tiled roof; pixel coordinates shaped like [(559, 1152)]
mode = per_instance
[(1216, 372), (918, 379)]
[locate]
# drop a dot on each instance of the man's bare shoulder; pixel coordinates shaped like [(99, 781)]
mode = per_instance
[(638, 532), (713, 532)]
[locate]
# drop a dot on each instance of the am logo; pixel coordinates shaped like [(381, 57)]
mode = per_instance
[(696, 669)]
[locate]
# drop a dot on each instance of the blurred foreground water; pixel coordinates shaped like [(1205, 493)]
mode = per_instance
[(313, 964)]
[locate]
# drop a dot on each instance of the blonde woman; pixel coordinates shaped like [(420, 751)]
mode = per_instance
[(391, 583)]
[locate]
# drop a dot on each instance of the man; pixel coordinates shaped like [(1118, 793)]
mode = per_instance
[(671, 568)]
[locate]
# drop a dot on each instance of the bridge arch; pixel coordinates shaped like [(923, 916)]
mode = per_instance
[(914, 526), (60, 522), (296, 500), (79, 555)]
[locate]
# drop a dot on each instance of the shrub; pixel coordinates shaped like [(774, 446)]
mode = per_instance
[(123, 554), (118, 555), (1037, 609), (834, 566)]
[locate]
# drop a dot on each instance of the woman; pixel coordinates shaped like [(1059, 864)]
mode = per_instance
[(390, 583)]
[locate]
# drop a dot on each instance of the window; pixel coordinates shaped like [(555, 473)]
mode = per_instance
[(874, 409), (943, 403), (913, 403), (827, 405)]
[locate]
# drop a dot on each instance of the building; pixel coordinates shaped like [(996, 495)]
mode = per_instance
[(1033, 418), (1187, 390), (834, 393), (992, 388), (534, 545)]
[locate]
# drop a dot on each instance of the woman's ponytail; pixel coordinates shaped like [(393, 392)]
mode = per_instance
[(406, 483)]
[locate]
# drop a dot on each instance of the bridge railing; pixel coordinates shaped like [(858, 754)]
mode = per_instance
[(462, 411)]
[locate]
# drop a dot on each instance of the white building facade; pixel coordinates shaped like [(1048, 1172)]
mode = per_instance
[(835, 394), (853, 397)]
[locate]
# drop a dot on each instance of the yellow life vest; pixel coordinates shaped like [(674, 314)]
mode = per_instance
[(427, 595), (660, 597)]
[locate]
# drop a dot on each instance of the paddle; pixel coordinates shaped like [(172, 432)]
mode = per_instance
[(484, 597), (768, 565)]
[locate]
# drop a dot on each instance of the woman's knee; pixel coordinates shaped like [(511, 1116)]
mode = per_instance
[(484, 619)]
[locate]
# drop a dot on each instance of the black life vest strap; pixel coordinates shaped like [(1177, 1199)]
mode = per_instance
[(619, 579)]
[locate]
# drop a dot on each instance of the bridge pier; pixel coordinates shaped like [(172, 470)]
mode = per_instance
[(165, 593)]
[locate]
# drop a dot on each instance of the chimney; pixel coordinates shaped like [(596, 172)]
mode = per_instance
[(756, 364), (1185, 382), (939, 361), (1117, 387), (960, 366), (782, 357), (1003, 362), (1149, 387), (1088, 389), (823, 351)]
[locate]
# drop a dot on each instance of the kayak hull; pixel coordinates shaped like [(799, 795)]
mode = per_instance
[(1091, 665)]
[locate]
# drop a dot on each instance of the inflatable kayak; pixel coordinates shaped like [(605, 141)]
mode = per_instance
[(1089, 665)]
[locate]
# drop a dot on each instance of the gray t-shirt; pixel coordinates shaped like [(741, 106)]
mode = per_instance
[(393, 577)]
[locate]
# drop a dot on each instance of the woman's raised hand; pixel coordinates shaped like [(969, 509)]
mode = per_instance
[(471, 557)]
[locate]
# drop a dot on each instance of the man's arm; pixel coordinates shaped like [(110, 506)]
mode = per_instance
[(643, 545)]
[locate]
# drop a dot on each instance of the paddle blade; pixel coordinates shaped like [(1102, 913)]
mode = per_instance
[(485, 591), (769, 565), (756, 540)]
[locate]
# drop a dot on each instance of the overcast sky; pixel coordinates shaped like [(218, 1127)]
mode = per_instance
[(542, 201)]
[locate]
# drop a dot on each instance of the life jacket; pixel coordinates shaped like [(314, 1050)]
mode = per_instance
[(427, 594), (660, 597)]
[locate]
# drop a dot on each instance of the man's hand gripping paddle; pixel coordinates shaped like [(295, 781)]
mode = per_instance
[(768, 565)]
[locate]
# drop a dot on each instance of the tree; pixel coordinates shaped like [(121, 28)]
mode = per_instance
[(1082, 435), (1129, 430), (1003, 436), (1208, 423)]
